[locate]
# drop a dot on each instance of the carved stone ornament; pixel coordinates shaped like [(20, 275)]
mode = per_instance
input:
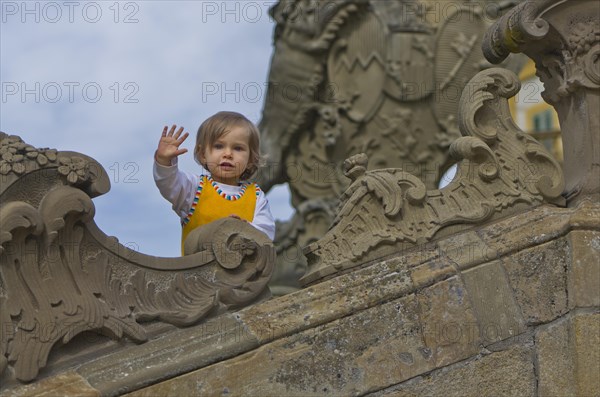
[(362, 76), (61, 276), (563, 38), (501, 171)]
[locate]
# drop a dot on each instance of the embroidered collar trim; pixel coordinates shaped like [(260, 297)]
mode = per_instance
[(230, 197)]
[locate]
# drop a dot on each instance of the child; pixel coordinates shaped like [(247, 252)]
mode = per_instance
[(227, 146)]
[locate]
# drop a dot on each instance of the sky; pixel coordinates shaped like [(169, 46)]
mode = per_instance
[(104, 77)]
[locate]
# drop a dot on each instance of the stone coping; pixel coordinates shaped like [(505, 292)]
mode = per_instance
[(229, 335)]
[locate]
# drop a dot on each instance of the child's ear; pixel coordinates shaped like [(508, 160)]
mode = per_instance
[(199, 154)]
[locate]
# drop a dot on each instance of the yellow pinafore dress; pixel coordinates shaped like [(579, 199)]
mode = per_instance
[(210, 204)]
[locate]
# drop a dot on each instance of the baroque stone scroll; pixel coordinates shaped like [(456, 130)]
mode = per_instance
[(61, 276), (563, 39), (501, 171)]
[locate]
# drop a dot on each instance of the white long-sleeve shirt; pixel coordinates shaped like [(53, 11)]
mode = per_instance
[(179, 188)]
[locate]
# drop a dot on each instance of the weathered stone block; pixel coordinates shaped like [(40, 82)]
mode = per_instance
[(531, 228), (333, 299), (493, 302), (538, 277), (65, 384), (450, 329), (467, 249), (505, 373), (162, 358), (584, 272), (428, 273), (569, 356), (587, 353), (555, 364)]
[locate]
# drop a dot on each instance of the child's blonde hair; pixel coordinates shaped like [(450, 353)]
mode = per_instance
[(218, 125)]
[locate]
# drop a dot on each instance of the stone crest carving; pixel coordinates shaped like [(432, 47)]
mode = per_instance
[(501, 170), (382, 78), (61, 275)]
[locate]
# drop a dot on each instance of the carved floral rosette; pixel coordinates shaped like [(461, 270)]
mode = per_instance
[(501, 171), (61, 276)]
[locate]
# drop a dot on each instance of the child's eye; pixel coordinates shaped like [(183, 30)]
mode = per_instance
[(239, 148), (218, 146)]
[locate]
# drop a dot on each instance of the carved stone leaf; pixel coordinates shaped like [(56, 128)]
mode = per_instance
[(385, 187), (18, 216), (185, 303), (494, 179)]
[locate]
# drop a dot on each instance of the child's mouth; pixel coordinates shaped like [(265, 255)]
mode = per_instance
[(226, 165)]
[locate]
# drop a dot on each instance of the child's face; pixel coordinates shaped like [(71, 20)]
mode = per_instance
[(228, 157)]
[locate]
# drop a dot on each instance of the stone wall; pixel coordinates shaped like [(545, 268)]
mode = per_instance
[(511, 308)]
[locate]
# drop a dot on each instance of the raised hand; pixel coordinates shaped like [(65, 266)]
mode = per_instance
[(168, 146)]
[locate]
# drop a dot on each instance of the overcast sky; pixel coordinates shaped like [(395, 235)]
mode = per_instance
[(103, 78)]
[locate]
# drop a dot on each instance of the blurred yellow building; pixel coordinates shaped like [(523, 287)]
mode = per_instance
[(535, 116)]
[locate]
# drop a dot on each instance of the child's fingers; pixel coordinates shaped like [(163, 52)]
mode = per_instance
[(179, 131), (164, 133), (180, 152), (172, 130), (183, 138)]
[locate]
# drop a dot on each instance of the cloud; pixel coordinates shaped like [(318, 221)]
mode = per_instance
[(105, 86)]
